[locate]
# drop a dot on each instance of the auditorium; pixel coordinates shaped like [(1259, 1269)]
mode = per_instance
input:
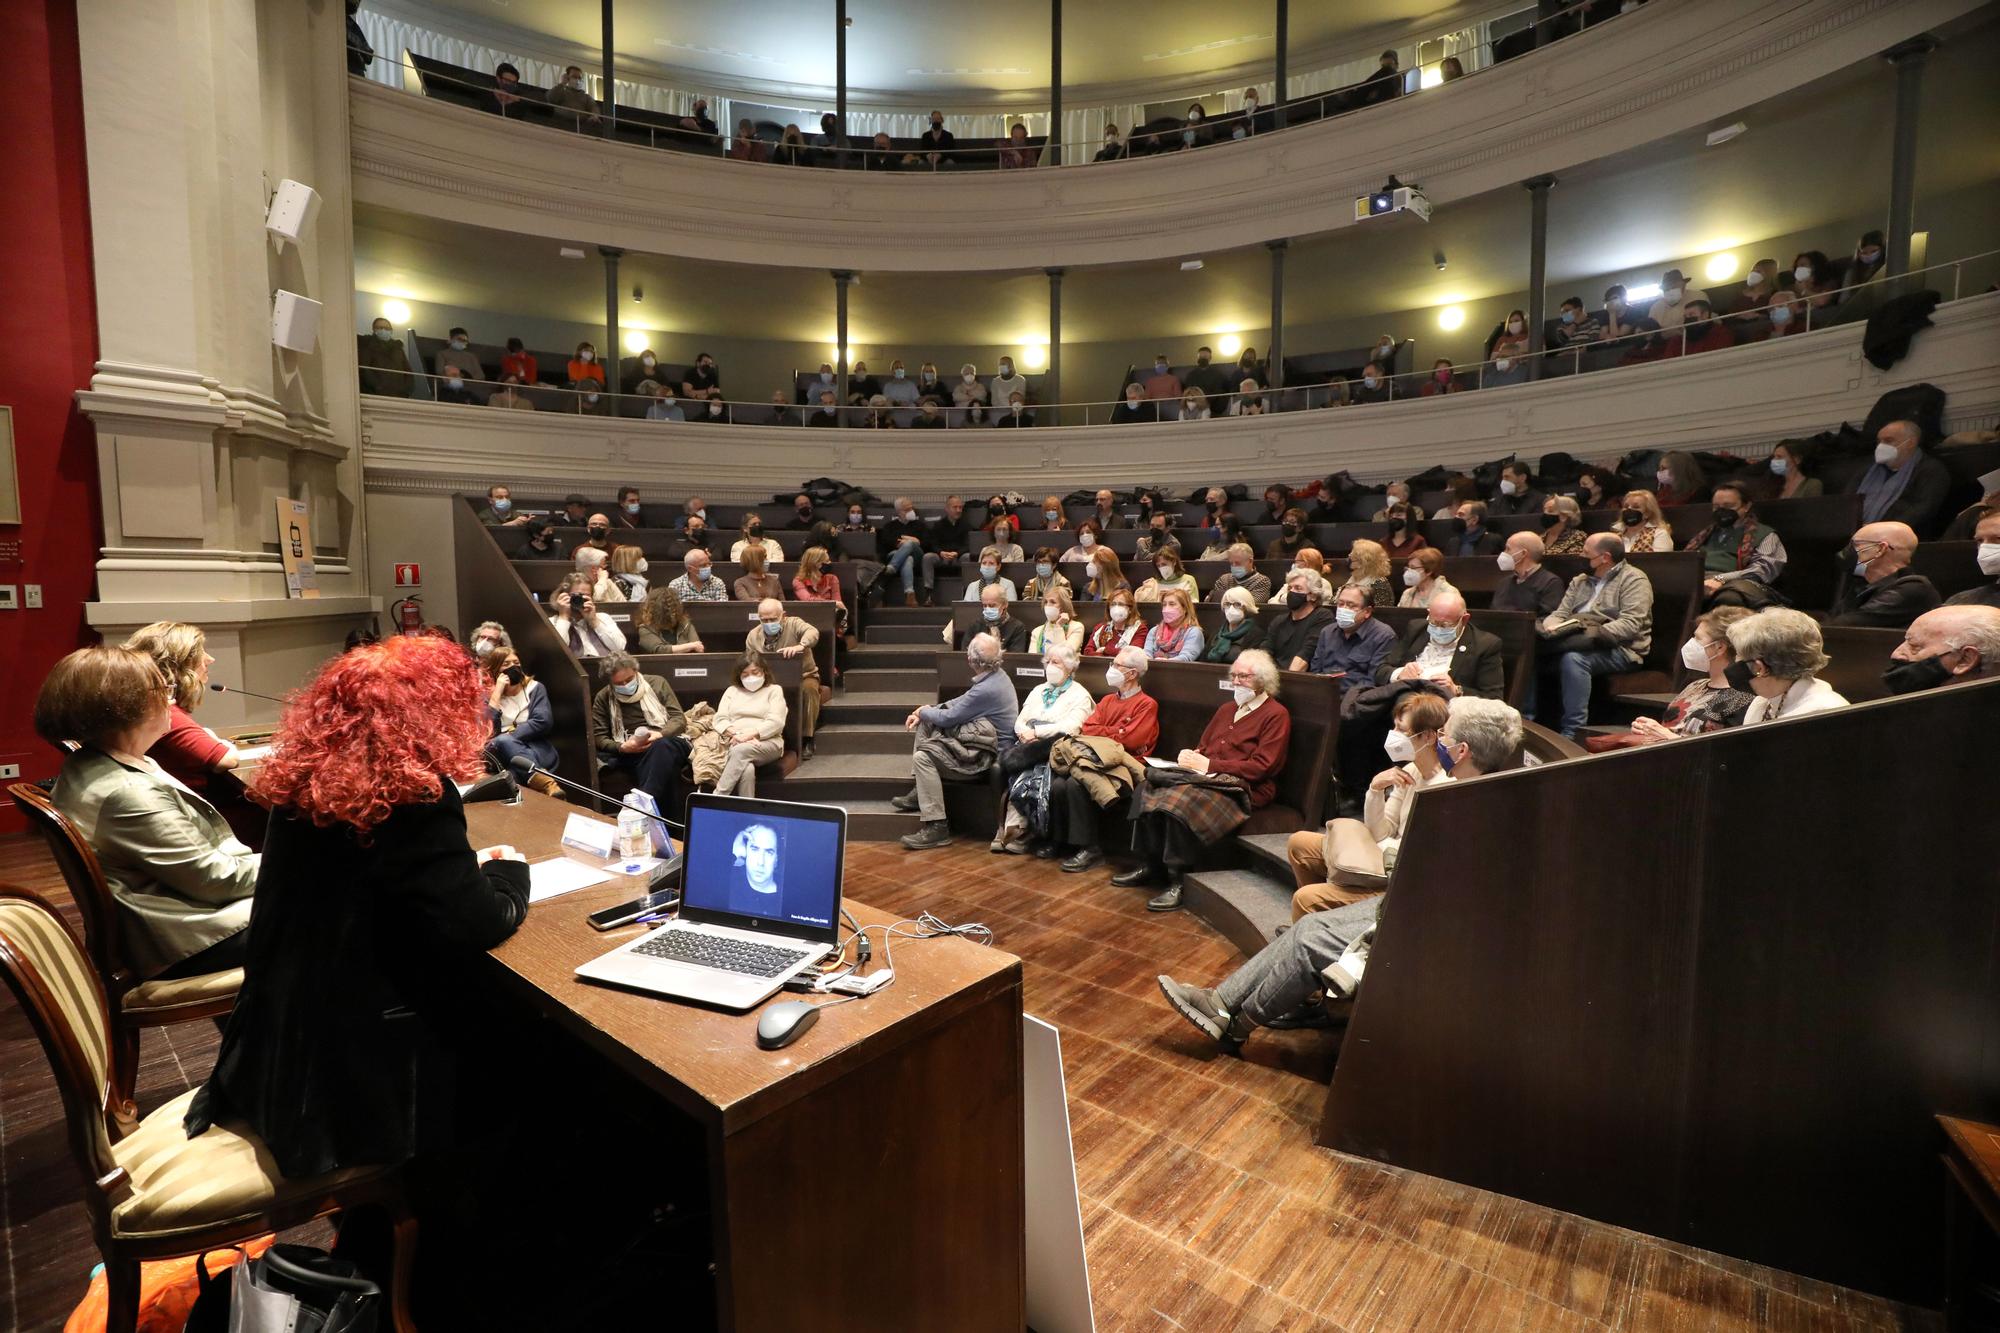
[(531, 800)]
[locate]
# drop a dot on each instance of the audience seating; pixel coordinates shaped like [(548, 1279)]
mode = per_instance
[(133, 1004), (701, 678)]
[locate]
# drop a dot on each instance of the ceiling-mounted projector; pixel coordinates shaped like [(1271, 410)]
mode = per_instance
[(1394, 199)]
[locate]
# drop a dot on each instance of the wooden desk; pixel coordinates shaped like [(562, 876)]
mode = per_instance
[(1972, 1226), (873, 1165)]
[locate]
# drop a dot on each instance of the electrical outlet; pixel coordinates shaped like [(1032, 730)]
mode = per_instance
[(9, 771), (9, 597), (34, 591)]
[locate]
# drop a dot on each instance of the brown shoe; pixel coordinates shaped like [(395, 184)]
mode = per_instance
[(909, 599), (546, 785)]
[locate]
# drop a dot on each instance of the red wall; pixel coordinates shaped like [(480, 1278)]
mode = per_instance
[(46, 300)]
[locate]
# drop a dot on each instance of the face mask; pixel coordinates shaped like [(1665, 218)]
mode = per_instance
[(483, 648), (1926, 674), (1167, 571), (1051, 516), (590, 398), (1189, 405), (1614, 304), (1754, 278), (1632, 518), (1346, 617), (1119, 613), (1006, 370), (455, 382), (772, 627), (1869, 256), (385, 334), (898, 372), (458, 344), (1086, 539), (1243, 694), (1885, 454), (1400, 748), (1673, 294), (1781, 315), (1051, 612), (1739, 676), (1239, 572), (1114, 678), (1411, 576), (1514, 326), (1988, 558), (930, 377), (988, 573), (1159, 367), (1289, 529), (1506, 562), (752, 684), (1045, 570), (1297, 600), (1232, 613), (586, 356), (1170, 614), (627, 690), (968, 378), (1693, 656), (1803, 273), (1508, 487), (989, 613), (1503, 364), (598, 534), (1780, 466), (647, 362), (701, 575), (632, 508), (502, 506), (1442, 633), (1569, 317)]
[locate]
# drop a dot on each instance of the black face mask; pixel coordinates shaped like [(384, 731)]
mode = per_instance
[(1458, 525), (1725, 517), (698, 538), (1738, 675), (753, 532), (1924, 674), (1296, 600), (1159, 534), (1201, 361), (1397, 524), (1632, 517), (598, 534), (1550, 520), (1291, 530)]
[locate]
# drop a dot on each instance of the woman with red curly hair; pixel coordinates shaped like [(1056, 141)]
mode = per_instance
[(369, 894)]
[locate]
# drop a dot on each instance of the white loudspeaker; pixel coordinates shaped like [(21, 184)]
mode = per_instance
[(294, 321), (293, 209)]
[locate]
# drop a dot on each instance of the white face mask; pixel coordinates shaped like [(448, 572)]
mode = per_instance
[(1780, 466), (484, 647), (1507, 487), (1411, 576), (1885, 454), (1753, 279), (1988, 557), (1086, 539), (1506, 562), (1052, 674), (1233, 614), (1167, 571), (753, 683), (648, 362), (1051, 612), (1674, 294), (1693, 656), (968, 378), (1514, 326), (587, 355), (1400, 748), (1503, 364), (1243, 694), (1664, 477), (1803, 273), (1114, 678), (1119, 613)]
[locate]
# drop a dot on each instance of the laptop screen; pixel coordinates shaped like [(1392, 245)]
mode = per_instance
[(776, 863)]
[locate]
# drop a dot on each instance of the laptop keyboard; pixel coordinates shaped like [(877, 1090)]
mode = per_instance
[(720, 952)]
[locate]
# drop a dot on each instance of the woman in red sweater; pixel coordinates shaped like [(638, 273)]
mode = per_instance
[(1247, 740), (1127, 715)]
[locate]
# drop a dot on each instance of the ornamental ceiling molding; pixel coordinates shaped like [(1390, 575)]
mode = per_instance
[(1295, 183)]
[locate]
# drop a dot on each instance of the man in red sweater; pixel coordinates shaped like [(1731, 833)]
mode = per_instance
[(1127, 715)]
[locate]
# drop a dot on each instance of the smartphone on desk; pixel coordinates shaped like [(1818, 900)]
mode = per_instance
[(624, 914)]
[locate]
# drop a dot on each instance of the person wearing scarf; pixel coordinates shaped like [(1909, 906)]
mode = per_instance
[(1176, 638), (638, 728), (1741, 559)]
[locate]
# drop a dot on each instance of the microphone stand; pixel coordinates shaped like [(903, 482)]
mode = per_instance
[(231, 689), (525, 768)]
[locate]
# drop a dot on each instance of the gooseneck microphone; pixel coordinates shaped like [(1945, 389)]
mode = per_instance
[(525, 767), (233, 689)]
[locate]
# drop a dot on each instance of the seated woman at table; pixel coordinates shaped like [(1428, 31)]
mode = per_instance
[(181, 879), (1240, 628), (190, 753), (371, 909), (756, 582), (523, 722), (1231, 771), (748, 729), (663, 625), (1120, 628)]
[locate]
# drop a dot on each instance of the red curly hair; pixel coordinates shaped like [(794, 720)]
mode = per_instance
[(382, 725)]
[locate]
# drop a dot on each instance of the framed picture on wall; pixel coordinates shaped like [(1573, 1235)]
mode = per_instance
[(10, 480)]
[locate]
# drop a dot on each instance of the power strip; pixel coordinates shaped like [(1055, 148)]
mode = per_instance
[(850, 984)]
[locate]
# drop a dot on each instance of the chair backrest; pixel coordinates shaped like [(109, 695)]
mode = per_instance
[(80, 871), (54, 982)]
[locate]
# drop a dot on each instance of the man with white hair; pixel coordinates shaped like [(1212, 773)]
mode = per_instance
[(1482, 736), (1905, 484), (1126, 716), (1953, 645), (1876, 586), (698, 584), (960, 739), (1603, 624)]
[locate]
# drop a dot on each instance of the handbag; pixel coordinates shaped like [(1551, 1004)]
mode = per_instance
[(287, 1289)]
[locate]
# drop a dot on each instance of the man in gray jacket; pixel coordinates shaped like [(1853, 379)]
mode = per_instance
[(961, 740), (1603, 624)]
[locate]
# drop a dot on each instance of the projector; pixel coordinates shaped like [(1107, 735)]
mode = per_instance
[(1391, 201)]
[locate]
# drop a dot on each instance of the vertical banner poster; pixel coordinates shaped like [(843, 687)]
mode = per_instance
[(295, 549)]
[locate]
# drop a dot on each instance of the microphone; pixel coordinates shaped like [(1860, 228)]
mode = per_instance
[(525, 767), (231, 689)]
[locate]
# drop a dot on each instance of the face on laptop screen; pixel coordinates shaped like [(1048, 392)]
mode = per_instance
[(772, 867)]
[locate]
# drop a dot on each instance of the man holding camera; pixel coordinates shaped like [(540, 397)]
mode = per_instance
[(578, 622)]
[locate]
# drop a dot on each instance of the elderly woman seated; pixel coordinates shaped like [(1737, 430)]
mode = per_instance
[(1213, 787), (1562, 526), (181, 879), (1054, 709), (1710, 702), (1779, 653), (1240, 629), (1099, 767)]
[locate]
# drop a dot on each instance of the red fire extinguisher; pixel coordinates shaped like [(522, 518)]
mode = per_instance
[(409, 615)]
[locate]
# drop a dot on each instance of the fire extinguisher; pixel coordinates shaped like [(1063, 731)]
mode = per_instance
[(409, 615)]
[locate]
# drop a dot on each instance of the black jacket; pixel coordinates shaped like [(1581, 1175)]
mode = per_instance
[(1893, 603), (343, 934), (890, 535), (1475, 665), (1290, 638), (946, 534), (1127, 414), (1487, 542), (1528, 502), (1540, 593), (1921, 505)]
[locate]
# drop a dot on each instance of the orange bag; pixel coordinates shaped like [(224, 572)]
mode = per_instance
[(167, 1288)]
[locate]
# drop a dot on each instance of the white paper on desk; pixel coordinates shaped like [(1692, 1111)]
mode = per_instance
[(253, 754), (559, 875), (1154, 761)]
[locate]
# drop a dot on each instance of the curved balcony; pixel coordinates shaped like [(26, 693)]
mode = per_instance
[(1456, 141), (1743, 399)]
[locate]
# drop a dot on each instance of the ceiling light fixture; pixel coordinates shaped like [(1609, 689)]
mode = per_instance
[(637, 340), (396, 312), (1720, 268), (1645, 291), (1717, 138), (638, 293), (1034, 355), (1451, 317), (1229, 344), (1190, 265)]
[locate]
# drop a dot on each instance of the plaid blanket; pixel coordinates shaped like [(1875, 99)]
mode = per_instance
[(1211, 805)]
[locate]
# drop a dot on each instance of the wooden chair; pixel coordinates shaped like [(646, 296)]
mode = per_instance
[(134, 1004), (151, 1191)]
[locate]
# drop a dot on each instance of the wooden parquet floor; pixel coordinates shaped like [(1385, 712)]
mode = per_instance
[(1205, 1204)]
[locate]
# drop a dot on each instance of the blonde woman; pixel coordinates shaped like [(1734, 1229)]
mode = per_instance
[(1059, 623), (627, 567), (1368, 569), (1176, 638), (1642, 525), (1107, 575), (190, 753)]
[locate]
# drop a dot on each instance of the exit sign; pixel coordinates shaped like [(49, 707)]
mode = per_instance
[(409, 576)]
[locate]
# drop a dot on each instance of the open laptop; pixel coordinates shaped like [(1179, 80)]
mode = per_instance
[(760, 902)]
